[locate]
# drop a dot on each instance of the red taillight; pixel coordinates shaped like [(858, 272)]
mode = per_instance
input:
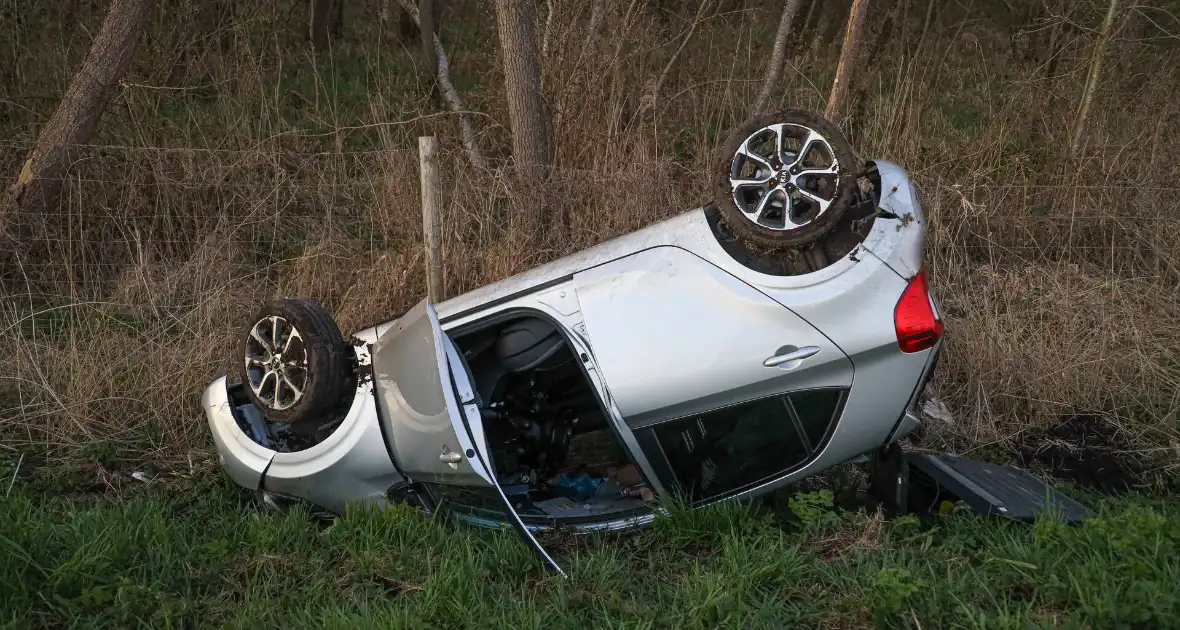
[(917, 322)]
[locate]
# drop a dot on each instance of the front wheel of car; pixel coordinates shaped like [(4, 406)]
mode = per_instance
[(785, 179), (297, 368)]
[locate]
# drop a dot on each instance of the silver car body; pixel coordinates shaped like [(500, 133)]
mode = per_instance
[(667, 324)]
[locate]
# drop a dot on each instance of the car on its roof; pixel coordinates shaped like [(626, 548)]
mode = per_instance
[(726, 352)]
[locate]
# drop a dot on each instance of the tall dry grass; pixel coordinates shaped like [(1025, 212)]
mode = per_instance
[(221, 177)]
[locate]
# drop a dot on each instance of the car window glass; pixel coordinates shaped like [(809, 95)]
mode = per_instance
[(720, 452), (814, 410)]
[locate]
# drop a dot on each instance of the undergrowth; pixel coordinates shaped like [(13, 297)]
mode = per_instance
[(235, 166), (186, 554)]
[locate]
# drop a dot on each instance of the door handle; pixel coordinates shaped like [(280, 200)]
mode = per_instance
[(790, 355), (450, 458)]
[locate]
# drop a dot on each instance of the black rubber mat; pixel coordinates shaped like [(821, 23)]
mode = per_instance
[(995, 490)]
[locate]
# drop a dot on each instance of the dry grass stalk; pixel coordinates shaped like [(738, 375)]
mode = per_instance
[(1060, 286)]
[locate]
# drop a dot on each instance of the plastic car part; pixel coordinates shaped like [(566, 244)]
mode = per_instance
[(989, 489), (296, 366), (785, 179), (916, 319)]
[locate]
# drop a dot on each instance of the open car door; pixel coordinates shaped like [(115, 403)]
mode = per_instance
[(430, 414)]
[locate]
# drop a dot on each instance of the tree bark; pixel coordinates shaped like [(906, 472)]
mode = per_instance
[(809, 25), (834, 13), (1079, 124), (548, 32), (318, 19), (846, 70), (515, 20), (426, 32), (597, 12), (80, 109), (337, 27), (1053, 53), (928, 21), (778, 56), (881, 35), (217, 20)]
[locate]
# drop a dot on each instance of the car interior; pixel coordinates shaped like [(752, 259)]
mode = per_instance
[(552, 448)]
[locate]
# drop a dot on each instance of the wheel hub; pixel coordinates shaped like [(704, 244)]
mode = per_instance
[(783, 177), (276, 363)]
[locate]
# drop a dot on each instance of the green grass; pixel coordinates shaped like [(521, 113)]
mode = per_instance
[(183, 554)]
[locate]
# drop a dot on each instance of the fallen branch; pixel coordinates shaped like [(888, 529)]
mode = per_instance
[(450, 93)]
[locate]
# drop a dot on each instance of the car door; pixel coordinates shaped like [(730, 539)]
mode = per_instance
[(429, 413), (700, 363)]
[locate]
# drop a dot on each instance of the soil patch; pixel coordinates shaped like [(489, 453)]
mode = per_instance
[(1086, 450)]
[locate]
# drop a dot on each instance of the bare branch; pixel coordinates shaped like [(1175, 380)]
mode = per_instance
[(548, 28), (652, 97), (470, 144), (596, 16), (1079, 124)]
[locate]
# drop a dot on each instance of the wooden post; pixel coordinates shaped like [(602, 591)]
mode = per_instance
[(431, 218)]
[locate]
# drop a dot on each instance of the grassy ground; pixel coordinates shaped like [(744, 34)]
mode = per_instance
[(198, 554)]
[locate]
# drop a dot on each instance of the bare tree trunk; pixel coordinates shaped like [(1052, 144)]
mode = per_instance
[(928, 21), (1079, 124), (808, 27), (80, 109), (597, 12), (318, 17), (848, 53), (448, 90), (1054, 53), (427, 32), (515, 20), (337, 26), (880, 38), (778, 56), (217, 19), (834, 13)]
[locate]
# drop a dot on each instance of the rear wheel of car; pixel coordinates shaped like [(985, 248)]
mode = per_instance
[(785, 179), (296, 366)]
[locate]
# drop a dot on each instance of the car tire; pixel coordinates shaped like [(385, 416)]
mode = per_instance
[(311, 378), (740, 222)]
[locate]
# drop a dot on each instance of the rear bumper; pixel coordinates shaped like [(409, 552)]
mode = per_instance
[(911, 419), (242, 458)]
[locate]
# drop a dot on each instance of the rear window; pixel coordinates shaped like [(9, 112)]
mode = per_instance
[(722, 452)]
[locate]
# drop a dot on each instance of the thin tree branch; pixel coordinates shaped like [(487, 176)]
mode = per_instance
[(470, 144), (652, 97), (1092, 80)]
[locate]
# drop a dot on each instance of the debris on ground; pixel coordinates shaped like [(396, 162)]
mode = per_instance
[(1085, 449)]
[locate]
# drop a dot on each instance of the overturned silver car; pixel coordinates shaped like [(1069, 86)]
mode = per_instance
[(723, 353)]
